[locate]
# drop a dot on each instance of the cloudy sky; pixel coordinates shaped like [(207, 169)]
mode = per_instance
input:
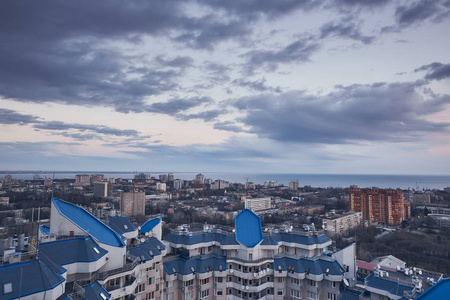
[(311, 86)]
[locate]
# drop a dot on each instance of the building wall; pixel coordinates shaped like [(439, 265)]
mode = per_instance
[(380, 205), (257, 204), (339, 225), (132, 203)]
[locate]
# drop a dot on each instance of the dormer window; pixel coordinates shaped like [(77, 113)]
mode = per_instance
[(125, 226), (103, 296), (96, 250)]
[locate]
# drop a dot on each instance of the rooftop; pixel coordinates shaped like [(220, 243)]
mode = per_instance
[(88, 223), (248, 228)]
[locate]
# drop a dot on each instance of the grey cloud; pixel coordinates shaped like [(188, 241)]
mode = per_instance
[(8, 116), (205, 115), (420, 11), (174, 106), (257, 85), (296, 52), (177, 62), (345, 29), (101, 129), (436, 71), (228, 126), (369, 3), (377, 112)]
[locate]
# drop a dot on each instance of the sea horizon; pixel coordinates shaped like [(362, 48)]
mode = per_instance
[(402, 181)]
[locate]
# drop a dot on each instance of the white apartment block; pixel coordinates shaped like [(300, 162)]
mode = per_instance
[(257, 204), (340, 224)]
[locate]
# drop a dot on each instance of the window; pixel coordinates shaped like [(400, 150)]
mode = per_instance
[(230, 278), (219, 292), (7, 288), (151, 295), (295, 294), (140, 288), (312, 295), (229, 292), (311, 282), (151, 280), (295, 281), (280, 279), (280, 292), (204, 294), (169, 296), (219, 279), (189, 282), (189, 296), (125, 226), (331, 296), (205, 281)]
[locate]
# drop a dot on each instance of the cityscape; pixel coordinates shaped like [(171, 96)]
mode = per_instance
[(225, 150), (155, 236)]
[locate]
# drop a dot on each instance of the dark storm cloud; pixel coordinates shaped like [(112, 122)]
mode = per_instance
[(436, 71), (66, 51), (174, 106), (345, 28), (8, 116), (377, 112), (421, 10), (208, 115), (256, 85), (296, 52)]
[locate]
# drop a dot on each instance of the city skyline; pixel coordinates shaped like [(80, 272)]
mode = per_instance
[(345, 87)]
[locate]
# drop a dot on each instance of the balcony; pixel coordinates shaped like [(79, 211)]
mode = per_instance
[(125, 268)]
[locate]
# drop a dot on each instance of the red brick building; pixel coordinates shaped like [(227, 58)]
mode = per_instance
[(380, 205)]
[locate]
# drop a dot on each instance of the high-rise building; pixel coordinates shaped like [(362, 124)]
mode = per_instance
[(340, 224), (178, 184), (82, 179), (199, 178), (161, 186), (256, 204), (170, 177), (96, 178), (293, 185), (132, 203), (101, 189), (163, 177), (380, 205)]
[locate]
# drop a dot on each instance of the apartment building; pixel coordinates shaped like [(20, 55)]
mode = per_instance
[(247, 262), (339, 224), (132, 203), (257, 204), (380, 205)]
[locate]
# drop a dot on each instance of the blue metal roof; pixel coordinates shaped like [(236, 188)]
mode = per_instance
[(185, 267), (88, 223), (386, 285), (349, 295), (301, 239), (248, 228), (149, 225), (66, 252), (441, 290), (51, 264), (44, 229), (147, 251), (201, 238), (121, 225), (93, 291), (28, 278), (302, 265)]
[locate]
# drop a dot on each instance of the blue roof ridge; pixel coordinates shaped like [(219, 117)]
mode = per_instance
[(91, 215)]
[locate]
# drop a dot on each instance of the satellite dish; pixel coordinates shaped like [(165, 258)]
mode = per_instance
[(142, 240), (346, 282)]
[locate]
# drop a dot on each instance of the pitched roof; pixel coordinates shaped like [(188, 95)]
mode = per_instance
[(440, 290), (66, 252), (94, 290), (197, 265), (386, 285), (201, 238), (88, 223), (248, 228), (149, 225), (28, 278), (121, 225), (147, 251), (303, 265)]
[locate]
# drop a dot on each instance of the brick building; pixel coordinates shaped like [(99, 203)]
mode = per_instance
[(380, 205)]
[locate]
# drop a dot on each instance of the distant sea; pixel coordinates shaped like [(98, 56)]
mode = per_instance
[(315, 180)]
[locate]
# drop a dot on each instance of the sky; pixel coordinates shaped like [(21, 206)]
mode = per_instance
[(311, 86)]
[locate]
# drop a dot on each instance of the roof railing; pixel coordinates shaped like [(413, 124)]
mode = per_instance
[(125, 268)]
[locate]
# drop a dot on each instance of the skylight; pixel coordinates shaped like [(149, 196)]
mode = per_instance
[(103, 296), (96, 250), (7, 288), (125, 226)]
